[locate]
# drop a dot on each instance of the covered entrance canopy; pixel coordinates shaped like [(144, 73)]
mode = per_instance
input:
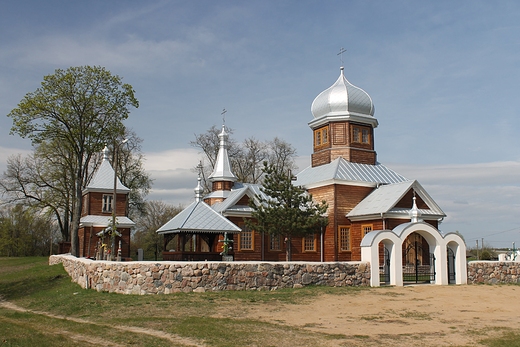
[(195, 232), (448, 254)]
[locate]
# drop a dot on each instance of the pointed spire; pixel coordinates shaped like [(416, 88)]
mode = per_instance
[(222, 170), (198, 190), (105, 153), (415, 214)]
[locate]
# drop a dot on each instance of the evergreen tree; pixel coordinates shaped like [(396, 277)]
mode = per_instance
[(288, 210)]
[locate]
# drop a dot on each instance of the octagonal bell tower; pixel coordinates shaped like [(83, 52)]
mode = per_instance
[(343, 124)]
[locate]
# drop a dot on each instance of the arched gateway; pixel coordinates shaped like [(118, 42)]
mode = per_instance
[(418, 246)]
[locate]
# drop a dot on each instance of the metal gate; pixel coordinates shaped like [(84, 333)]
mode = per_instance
[(418, 263), (451, 266), (384, 269)]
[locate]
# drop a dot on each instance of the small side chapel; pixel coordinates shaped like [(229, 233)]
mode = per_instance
[(374, 213), (96, 215)]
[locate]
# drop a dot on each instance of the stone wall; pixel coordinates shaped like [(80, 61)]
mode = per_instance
[(493, 272), (170, 277)]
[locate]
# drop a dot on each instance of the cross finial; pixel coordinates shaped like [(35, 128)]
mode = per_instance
[(200, 167), (341, 51), (223, 116)]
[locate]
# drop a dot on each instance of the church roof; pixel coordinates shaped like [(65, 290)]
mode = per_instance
[(385, 197), (104, 221), (103, 179), (342, 98), (198, 217), (343, 170), (239, 190)]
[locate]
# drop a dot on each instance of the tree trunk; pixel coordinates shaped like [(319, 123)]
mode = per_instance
[(76, 216), (288, 254)]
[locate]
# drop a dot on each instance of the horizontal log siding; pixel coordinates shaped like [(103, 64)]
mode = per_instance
[(94, 204)]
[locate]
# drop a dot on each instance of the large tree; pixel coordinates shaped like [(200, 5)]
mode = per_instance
[(44, 179), (286, 209), (82, 109)]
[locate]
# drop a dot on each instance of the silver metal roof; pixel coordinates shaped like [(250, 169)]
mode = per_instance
[(199, 217), (383, 200), (343, 170), (103, 178), (238, 191), (342, 98), (222, 170), (104, 221)]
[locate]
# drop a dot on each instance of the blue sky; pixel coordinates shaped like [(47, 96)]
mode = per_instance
[(443, 76)]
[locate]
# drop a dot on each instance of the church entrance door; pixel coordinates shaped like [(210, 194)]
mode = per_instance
[(418, 262)]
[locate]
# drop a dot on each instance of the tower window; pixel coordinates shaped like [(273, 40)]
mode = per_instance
[(365, 136), (107, 203), (360, 135), (355, 135), (321, 136)]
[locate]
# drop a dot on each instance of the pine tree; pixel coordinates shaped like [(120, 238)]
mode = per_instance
[(288, 210)]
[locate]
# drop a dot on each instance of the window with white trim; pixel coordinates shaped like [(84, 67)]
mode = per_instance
[(107, 202)]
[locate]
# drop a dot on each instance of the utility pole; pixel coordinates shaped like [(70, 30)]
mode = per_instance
[(477, 249)]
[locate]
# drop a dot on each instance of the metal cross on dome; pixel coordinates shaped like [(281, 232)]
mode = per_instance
[(341, 51), (223, 116)]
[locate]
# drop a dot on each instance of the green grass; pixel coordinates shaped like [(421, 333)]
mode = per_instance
[(76, 317), (212, 318)]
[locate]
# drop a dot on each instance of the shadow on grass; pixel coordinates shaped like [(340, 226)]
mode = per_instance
[(22, 277)]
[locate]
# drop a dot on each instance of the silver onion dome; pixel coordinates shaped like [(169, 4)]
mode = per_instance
[(342, 98)]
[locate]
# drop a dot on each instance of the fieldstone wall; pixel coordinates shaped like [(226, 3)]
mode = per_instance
[(171, 277), (493, 272)]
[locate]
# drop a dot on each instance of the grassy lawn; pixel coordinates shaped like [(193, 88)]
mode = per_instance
[(77, 317)]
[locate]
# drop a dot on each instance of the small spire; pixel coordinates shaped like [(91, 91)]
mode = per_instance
[(198, 190), (105, 153), (222, 170), (415, 214)]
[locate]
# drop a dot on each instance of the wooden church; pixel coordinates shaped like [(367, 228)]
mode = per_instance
[(362, 195), (104, 195)]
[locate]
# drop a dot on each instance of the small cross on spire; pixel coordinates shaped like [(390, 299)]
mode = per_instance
[(341, 51), (224, 116)]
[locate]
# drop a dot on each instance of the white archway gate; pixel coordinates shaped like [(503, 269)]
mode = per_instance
[(393, 240)]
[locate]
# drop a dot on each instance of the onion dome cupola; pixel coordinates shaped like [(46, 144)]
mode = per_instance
[(341, 99), (222, 177), (343, 124)]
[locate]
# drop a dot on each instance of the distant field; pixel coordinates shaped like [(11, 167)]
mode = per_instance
[(41, 307)]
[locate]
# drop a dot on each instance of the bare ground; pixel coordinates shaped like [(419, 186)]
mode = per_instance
[(424, 315)]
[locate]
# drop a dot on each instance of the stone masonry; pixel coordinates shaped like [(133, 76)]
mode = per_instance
[(170, 277), (493, 272)]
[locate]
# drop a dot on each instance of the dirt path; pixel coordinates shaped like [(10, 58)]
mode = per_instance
[(413, 315), (102, 342)]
